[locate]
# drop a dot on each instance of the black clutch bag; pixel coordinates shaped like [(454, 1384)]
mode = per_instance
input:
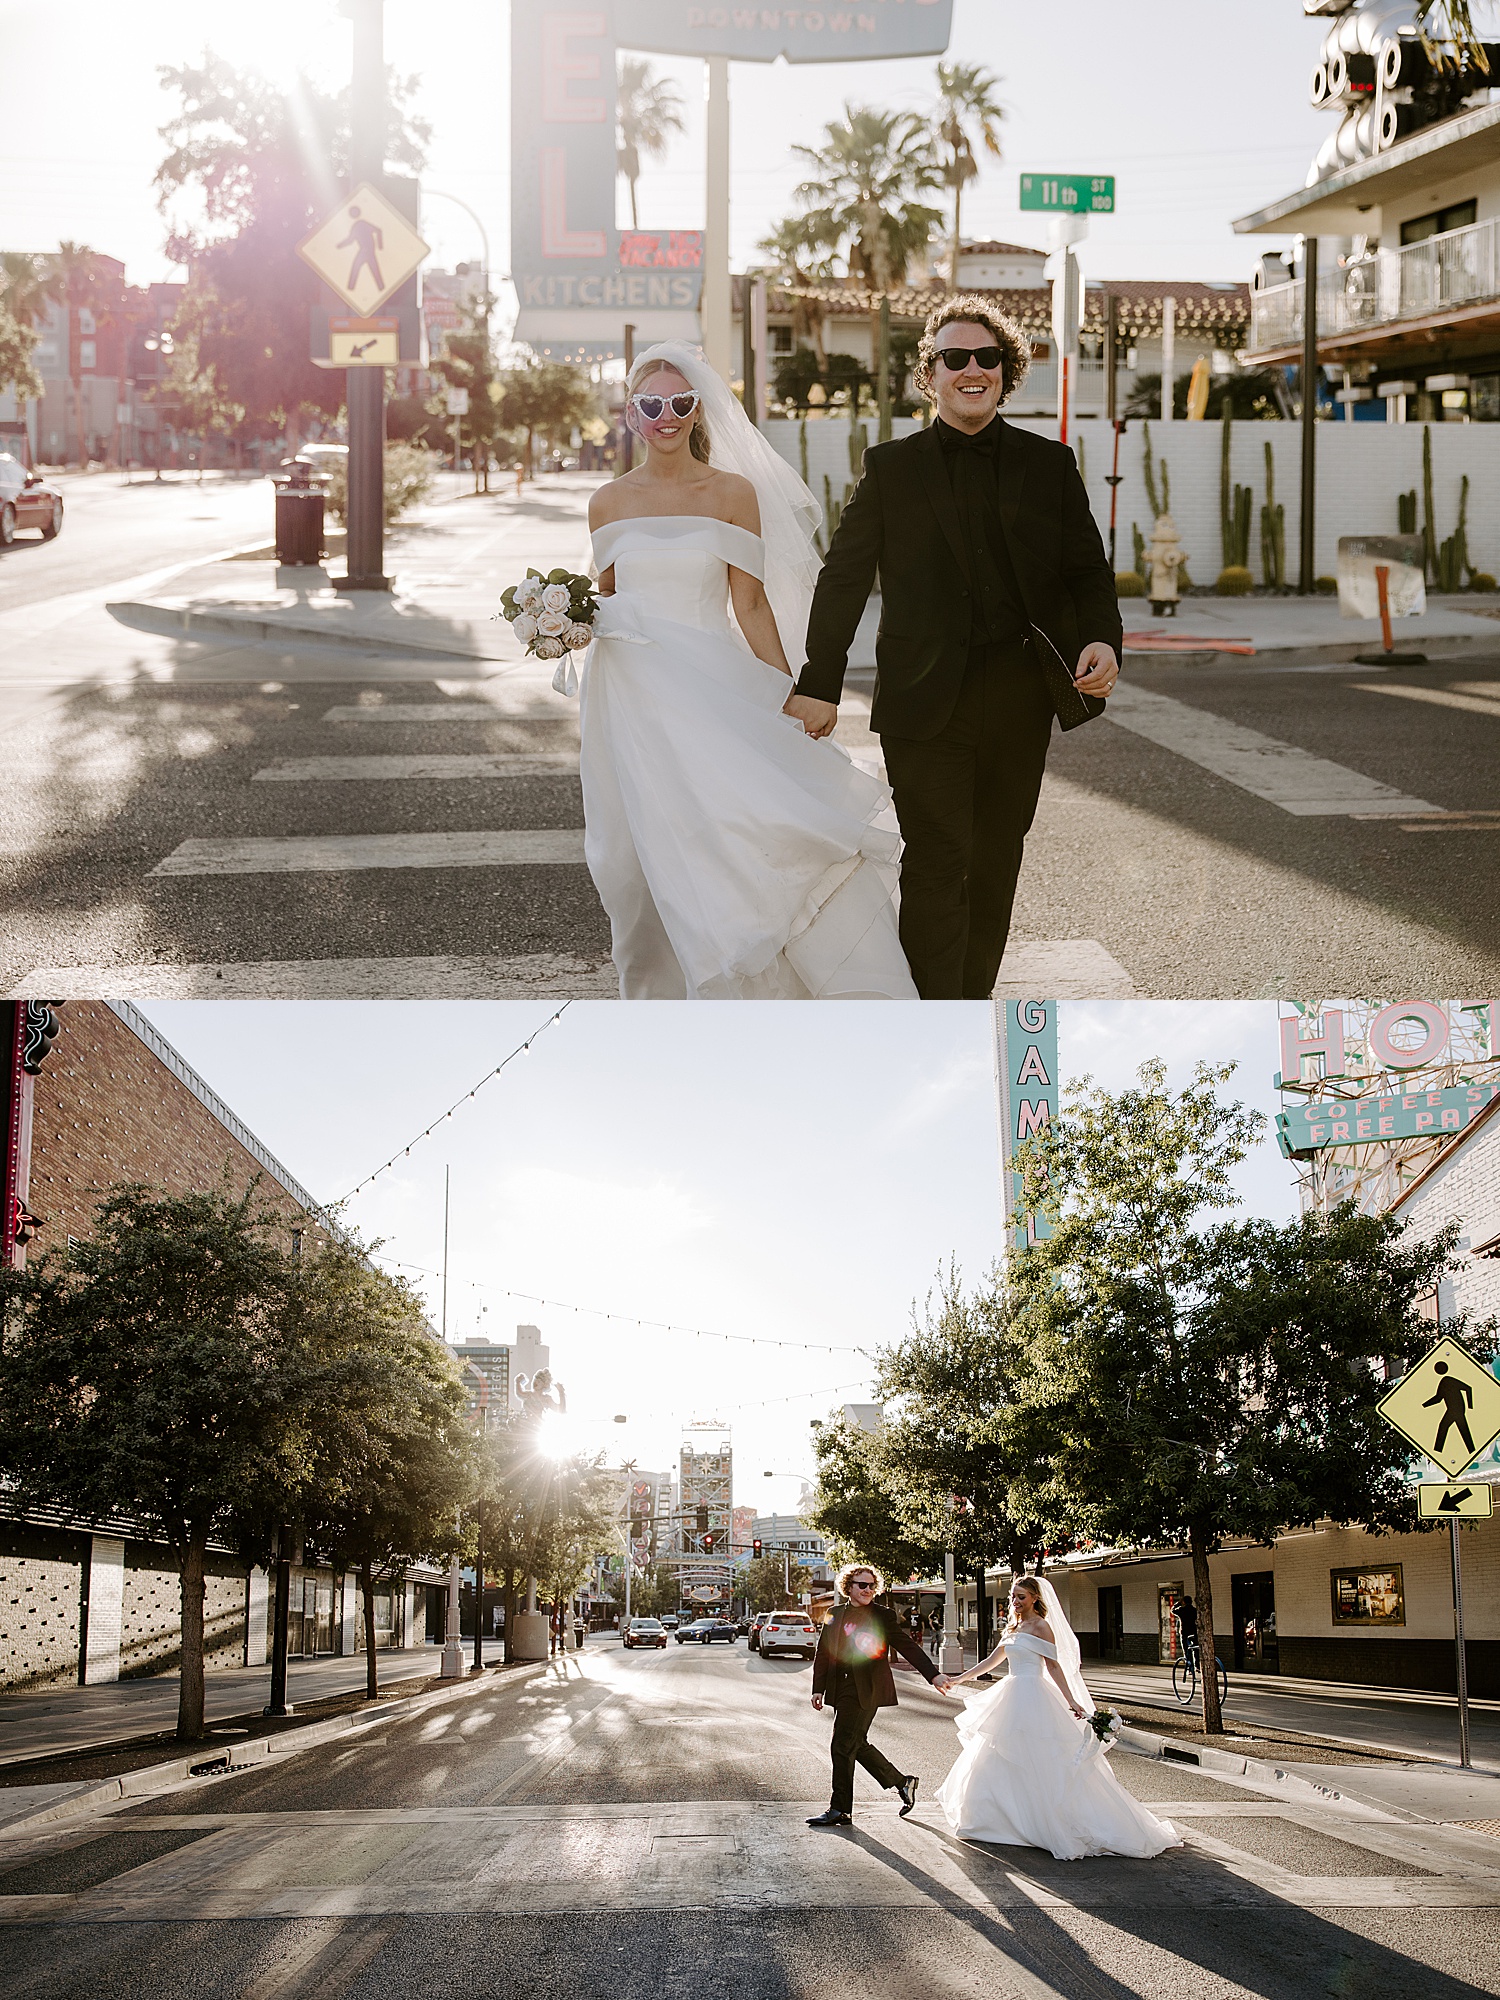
[(1072, 707)]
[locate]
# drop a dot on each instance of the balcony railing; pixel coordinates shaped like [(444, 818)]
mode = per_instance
[(1455, 269)]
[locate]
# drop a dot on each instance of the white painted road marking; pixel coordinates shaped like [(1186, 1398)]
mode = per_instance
[(1066, 968), (1278, 772), (545, 974), (449, 711), (334, 853), (322, 770)]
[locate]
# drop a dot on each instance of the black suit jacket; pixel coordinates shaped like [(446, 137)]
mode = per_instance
[(902, 521), (853, 1660)]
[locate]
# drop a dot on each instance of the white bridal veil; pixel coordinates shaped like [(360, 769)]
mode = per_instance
[(789, 515), (1065, 1644)]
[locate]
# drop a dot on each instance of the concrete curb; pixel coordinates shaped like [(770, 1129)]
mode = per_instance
[(210, 1762), (172, 619), (1225, 1763)]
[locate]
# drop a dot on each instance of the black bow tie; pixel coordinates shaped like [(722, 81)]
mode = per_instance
[(986, 440)]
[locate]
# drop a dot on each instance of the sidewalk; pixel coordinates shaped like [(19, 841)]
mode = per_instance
[(449, 562), (80, 1718)]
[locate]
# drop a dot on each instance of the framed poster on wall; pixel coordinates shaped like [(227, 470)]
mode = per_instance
[(1168, 1631), (1368, 1596)]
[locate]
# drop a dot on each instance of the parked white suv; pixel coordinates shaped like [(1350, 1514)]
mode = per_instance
[(788, 1632)]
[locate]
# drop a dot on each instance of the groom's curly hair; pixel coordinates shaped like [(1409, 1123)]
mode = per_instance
[(1013, 343), (841, 1581)]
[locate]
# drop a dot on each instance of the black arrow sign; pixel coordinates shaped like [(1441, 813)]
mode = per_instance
[(1452, 1502)]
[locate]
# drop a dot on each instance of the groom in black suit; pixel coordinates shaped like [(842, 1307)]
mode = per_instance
[(998, 615), (852, 1673)]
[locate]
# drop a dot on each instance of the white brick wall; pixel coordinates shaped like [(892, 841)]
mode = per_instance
[(1361, 470)]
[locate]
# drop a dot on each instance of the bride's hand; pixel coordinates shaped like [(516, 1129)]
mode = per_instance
[(817, 717)]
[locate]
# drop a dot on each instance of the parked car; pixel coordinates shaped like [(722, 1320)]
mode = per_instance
[(788, 1632), (644, 1632), (755, 1624), (26, 501)]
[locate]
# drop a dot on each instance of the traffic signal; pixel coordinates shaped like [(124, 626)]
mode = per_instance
[(708, 1542), (755, 1547), (702, 1517)]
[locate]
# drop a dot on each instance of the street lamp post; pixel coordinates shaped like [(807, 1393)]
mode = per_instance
[(364, 392)]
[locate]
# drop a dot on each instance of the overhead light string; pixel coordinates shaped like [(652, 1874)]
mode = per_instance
[(428, 1131)]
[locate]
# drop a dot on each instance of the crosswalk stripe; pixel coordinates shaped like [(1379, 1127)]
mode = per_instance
[(335, 853), (536, 975), (1065, 968), (1278, 772), (323, 770), (449, 711)]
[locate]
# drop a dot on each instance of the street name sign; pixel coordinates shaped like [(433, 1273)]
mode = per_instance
[(458, 402), (365, 251), (1069, 194), (837, 31), (1448, 1406), (1366, 1121), (1474, 1502), (364, 343)]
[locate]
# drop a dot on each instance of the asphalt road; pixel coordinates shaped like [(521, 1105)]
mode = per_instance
[(186, 815), (633, 1825)]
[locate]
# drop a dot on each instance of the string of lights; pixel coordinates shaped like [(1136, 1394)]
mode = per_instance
[(635, 1320), (428, 1131)]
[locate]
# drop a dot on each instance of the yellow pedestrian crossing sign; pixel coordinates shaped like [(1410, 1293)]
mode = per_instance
[(365, 251), (1448, 1406), (1462, 1501)]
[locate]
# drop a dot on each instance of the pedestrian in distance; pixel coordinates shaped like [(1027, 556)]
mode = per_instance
[(852, 1676), (998, 617)]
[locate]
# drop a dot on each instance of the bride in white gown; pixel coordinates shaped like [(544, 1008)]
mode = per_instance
[(1031, 1772), (736, 858)]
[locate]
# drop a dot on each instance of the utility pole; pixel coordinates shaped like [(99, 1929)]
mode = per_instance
[(1307, 571), (1462, 1660), (364, 391), (716, 301), (281, 1620)]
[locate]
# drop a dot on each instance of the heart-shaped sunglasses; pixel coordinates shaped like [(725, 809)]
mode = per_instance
[(653, 408)]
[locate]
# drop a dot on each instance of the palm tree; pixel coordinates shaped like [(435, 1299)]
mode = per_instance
[(649, 112), (802, 258), (863, 189), (966, 104), (79, 277)]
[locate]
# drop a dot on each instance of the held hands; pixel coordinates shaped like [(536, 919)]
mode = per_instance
[(817, 717), (1097, 670)]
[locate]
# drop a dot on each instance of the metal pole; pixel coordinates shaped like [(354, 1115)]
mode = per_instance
[(716, 301), (446, 1172), (883, 368), (1168, 358), (479, 1597), (625, 456), (1111, 357), (952, 1660), (453, 1647), (365, 387), (1307, 577), (1458, 1641)]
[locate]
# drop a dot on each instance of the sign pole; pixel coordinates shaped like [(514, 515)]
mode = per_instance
[(717, 310), (365, 391), (1458, 1640), (1306, 578)]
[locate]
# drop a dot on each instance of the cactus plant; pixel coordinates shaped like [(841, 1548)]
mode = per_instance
[(856, 440), (1128, 583), (1429, 531), (1272, 530), (802, 450), (1454, 567), (1406, 512), (1138, 542), (1235, 503), (1234, 580), (1159, 497)]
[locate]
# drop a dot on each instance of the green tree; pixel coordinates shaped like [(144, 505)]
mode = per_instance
[(649, 112), (862, 191), (84, 285), (468, 362), (265, 167), (960, 1443), (29, 286), (966, 110), (1197, 1379), (147, 1370), (802, 259), (858, 1507), (765, 1584), (17, 373), (394, 1457), (544, 399), (651, 1596)]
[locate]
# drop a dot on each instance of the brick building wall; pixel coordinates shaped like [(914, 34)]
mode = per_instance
[(114, 1104), (151, 1621), (41, 1605)]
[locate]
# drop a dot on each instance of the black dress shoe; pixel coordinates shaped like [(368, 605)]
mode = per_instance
[(908, 1790), (832, 1818)]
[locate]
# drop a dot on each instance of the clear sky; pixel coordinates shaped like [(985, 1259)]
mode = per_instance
[(797, 1174), (1199, 107)]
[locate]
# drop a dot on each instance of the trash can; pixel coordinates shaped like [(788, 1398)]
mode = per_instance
[(299, 520)]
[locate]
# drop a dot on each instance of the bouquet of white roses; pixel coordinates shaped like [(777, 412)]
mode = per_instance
[(552, 614), (1106, 1726)]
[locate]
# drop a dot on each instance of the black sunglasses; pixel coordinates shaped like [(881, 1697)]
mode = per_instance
[(960, 357), (861, 1583)]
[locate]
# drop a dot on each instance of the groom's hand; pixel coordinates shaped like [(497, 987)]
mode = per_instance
[(817, 717), (943, 1683), (1097, 669), (817, 1701)]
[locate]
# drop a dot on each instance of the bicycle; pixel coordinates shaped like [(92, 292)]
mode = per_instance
[(1185, 1677)]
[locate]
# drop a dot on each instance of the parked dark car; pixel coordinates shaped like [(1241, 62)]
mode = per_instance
[(755, 1624)]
